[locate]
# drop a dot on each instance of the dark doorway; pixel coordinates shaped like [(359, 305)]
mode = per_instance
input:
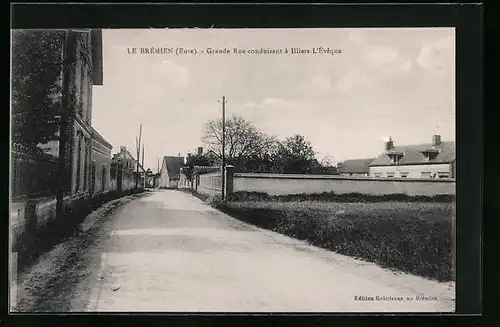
[(103, 179), (119, 175)]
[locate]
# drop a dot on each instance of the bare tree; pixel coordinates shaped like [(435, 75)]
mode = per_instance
[(243, 140)]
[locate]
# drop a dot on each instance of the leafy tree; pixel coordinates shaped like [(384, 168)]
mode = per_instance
[(243, 141), (36, 86), (327, 161), (295, 155)]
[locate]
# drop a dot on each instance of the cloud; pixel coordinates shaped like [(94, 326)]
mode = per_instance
[(318, 84), (177, 75), (406, 66), (438, 55), (279, 103), (250, 104), (380, 55), (355, 78)]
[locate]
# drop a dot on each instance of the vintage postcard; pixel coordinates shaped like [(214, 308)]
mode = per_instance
[(233, 170)]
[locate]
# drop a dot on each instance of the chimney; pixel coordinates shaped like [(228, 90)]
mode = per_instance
[(200, 150), (436, 140), (389, 144)]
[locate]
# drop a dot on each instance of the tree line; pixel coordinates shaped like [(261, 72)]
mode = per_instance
[(249, 149), (37, 62)]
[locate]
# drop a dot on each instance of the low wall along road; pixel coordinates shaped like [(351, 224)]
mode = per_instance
[(284, 184)]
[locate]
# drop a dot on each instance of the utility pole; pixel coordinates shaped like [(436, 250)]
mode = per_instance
[(138, 144), (158, 165), (142, 160), (223, 146), (142, 164)]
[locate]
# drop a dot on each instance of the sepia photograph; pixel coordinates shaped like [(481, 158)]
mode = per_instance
[(212, 170)]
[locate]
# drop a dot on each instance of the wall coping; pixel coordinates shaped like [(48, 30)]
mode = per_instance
[(210, 188), (336, 177), (211, 174)]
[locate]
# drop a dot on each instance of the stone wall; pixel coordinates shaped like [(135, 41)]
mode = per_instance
[(128, 180), (29, 215), (17, 218)]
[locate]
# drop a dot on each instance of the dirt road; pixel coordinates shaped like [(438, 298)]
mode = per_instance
[(168, 251)]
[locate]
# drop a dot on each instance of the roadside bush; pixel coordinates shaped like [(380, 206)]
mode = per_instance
[(249, 196), (216, 201), (333, 197), (200, 196)]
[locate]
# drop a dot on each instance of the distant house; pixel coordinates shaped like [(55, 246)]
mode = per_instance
[(355, 167), (127, 160), (152, 179), (430, 160), (211, 156), (129, 167), (170, 171)]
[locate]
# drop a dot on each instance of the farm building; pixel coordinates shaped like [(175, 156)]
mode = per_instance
[(170, 171), (355, 167)]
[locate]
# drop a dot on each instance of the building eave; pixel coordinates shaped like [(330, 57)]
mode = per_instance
[(100, 138)]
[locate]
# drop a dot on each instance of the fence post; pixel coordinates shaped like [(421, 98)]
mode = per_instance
[(30, 223), (229, 177)]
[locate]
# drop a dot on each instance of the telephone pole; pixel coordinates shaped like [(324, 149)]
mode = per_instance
[(223, 146), (138, 145), (142, 160), (142, 163)]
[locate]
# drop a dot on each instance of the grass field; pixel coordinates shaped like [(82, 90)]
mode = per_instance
[(414, 237)]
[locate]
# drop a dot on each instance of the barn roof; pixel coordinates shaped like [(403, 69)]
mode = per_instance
[(174, 165), (357, 166)]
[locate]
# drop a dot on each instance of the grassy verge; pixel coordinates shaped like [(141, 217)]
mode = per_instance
[(411, 237), (397, 231), (44, 238), (200, 196)]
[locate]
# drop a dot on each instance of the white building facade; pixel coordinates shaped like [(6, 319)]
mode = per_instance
[(432, 160)]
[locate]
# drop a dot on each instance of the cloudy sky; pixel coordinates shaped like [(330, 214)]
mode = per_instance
[(386, 82)]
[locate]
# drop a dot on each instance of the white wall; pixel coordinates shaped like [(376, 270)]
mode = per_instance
[(281, 184), (164, 178)]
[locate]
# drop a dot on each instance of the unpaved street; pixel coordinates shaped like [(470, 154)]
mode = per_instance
[(168, 251)]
